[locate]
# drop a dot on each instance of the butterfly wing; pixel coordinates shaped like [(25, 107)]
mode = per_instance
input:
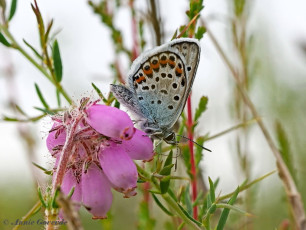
[(160, 81), (126, 97), (190, 49)]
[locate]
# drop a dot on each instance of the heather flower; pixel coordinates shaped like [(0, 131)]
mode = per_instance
[(94, 146)]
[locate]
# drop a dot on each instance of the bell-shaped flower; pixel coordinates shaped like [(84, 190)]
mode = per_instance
[(98, 154), (140, 147), (110, 121), (119, 169), (56, 137), (97, 196)]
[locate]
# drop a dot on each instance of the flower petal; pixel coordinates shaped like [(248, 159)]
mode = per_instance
[(119, 169), (110, 121), (140, 147), (56, 138), (97, 196), (68, 183)]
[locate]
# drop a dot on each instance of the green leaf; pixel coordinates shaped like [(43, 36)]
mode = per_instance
[(41, 198), (171, 193), (225, 212), (186, 158), (117, 104), (199, 150), (43, 101), (166, 170), (211, 190), (45, 111), (168, 160), (48, 172), (13, 9), (200, 32), (164, 184), (201, 108), (239, 6), (48, 30), (53, 200), (216, 182), (58, 98), (20, 110), (212, 209), (234, 208), (99, 92), (33, 49), (184, 35), (162, 207), (58, 68), (71, 192), (188, 200), (174, 35), (6, 118), (188, 216), (195, 7), (4, 41), (284, 146)]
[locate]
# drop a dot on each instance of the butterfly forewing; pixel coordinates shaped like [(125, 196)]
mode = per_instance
[(160, 84)]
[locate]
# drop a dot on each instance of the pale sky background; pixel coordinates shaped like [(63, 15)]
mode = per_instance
[(87, 51)]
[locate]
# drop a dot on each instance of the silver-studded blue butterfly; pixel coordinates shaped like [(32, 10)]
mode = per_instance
[(159, 84)]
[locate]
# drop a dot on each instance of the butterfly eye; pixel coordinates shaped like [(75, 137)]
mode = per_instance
[(148, 131)]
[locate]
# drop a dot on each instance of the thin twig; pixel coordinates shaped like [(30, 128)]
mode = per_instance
[(156, 21), (189, 24)]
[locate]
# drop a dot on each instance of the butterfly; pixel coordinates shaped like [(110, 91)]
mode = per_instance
[(159, 83)]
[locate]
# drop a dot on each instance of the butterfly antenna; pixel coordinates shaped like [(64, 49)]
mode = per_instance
[(194, 142)]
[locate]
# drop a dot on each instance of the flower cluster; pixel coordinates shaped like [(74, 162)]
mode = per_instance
[(94, 146)]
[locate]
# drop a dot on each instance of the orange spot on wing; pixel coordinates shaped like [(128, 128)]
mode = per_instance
[(171, 63), (147, 72), (163, 62), (156, 66), (178, 70), (140, 79)]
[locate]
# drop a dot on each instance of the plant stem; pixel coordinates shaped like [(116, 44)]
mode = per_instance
[(192, 161), (291, 190), (64, 157)]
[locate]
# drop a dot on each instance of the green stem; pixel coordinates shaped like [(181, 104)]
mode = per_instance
[(16, 46)]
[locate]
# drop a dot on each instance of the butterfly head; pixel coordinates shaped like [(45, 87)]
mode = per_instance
[(168, 136)]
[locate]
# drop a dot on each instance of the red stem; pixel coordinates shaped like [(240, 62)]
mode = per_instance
[(192, 162), (135, 49)]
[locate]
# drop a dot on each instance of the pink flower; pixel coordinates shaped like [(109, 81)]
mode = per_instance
[(98, 144)]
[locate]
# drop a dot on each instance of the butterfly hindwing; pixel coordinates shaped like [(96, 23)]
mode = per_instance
[(190, 49), (160, 84)]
